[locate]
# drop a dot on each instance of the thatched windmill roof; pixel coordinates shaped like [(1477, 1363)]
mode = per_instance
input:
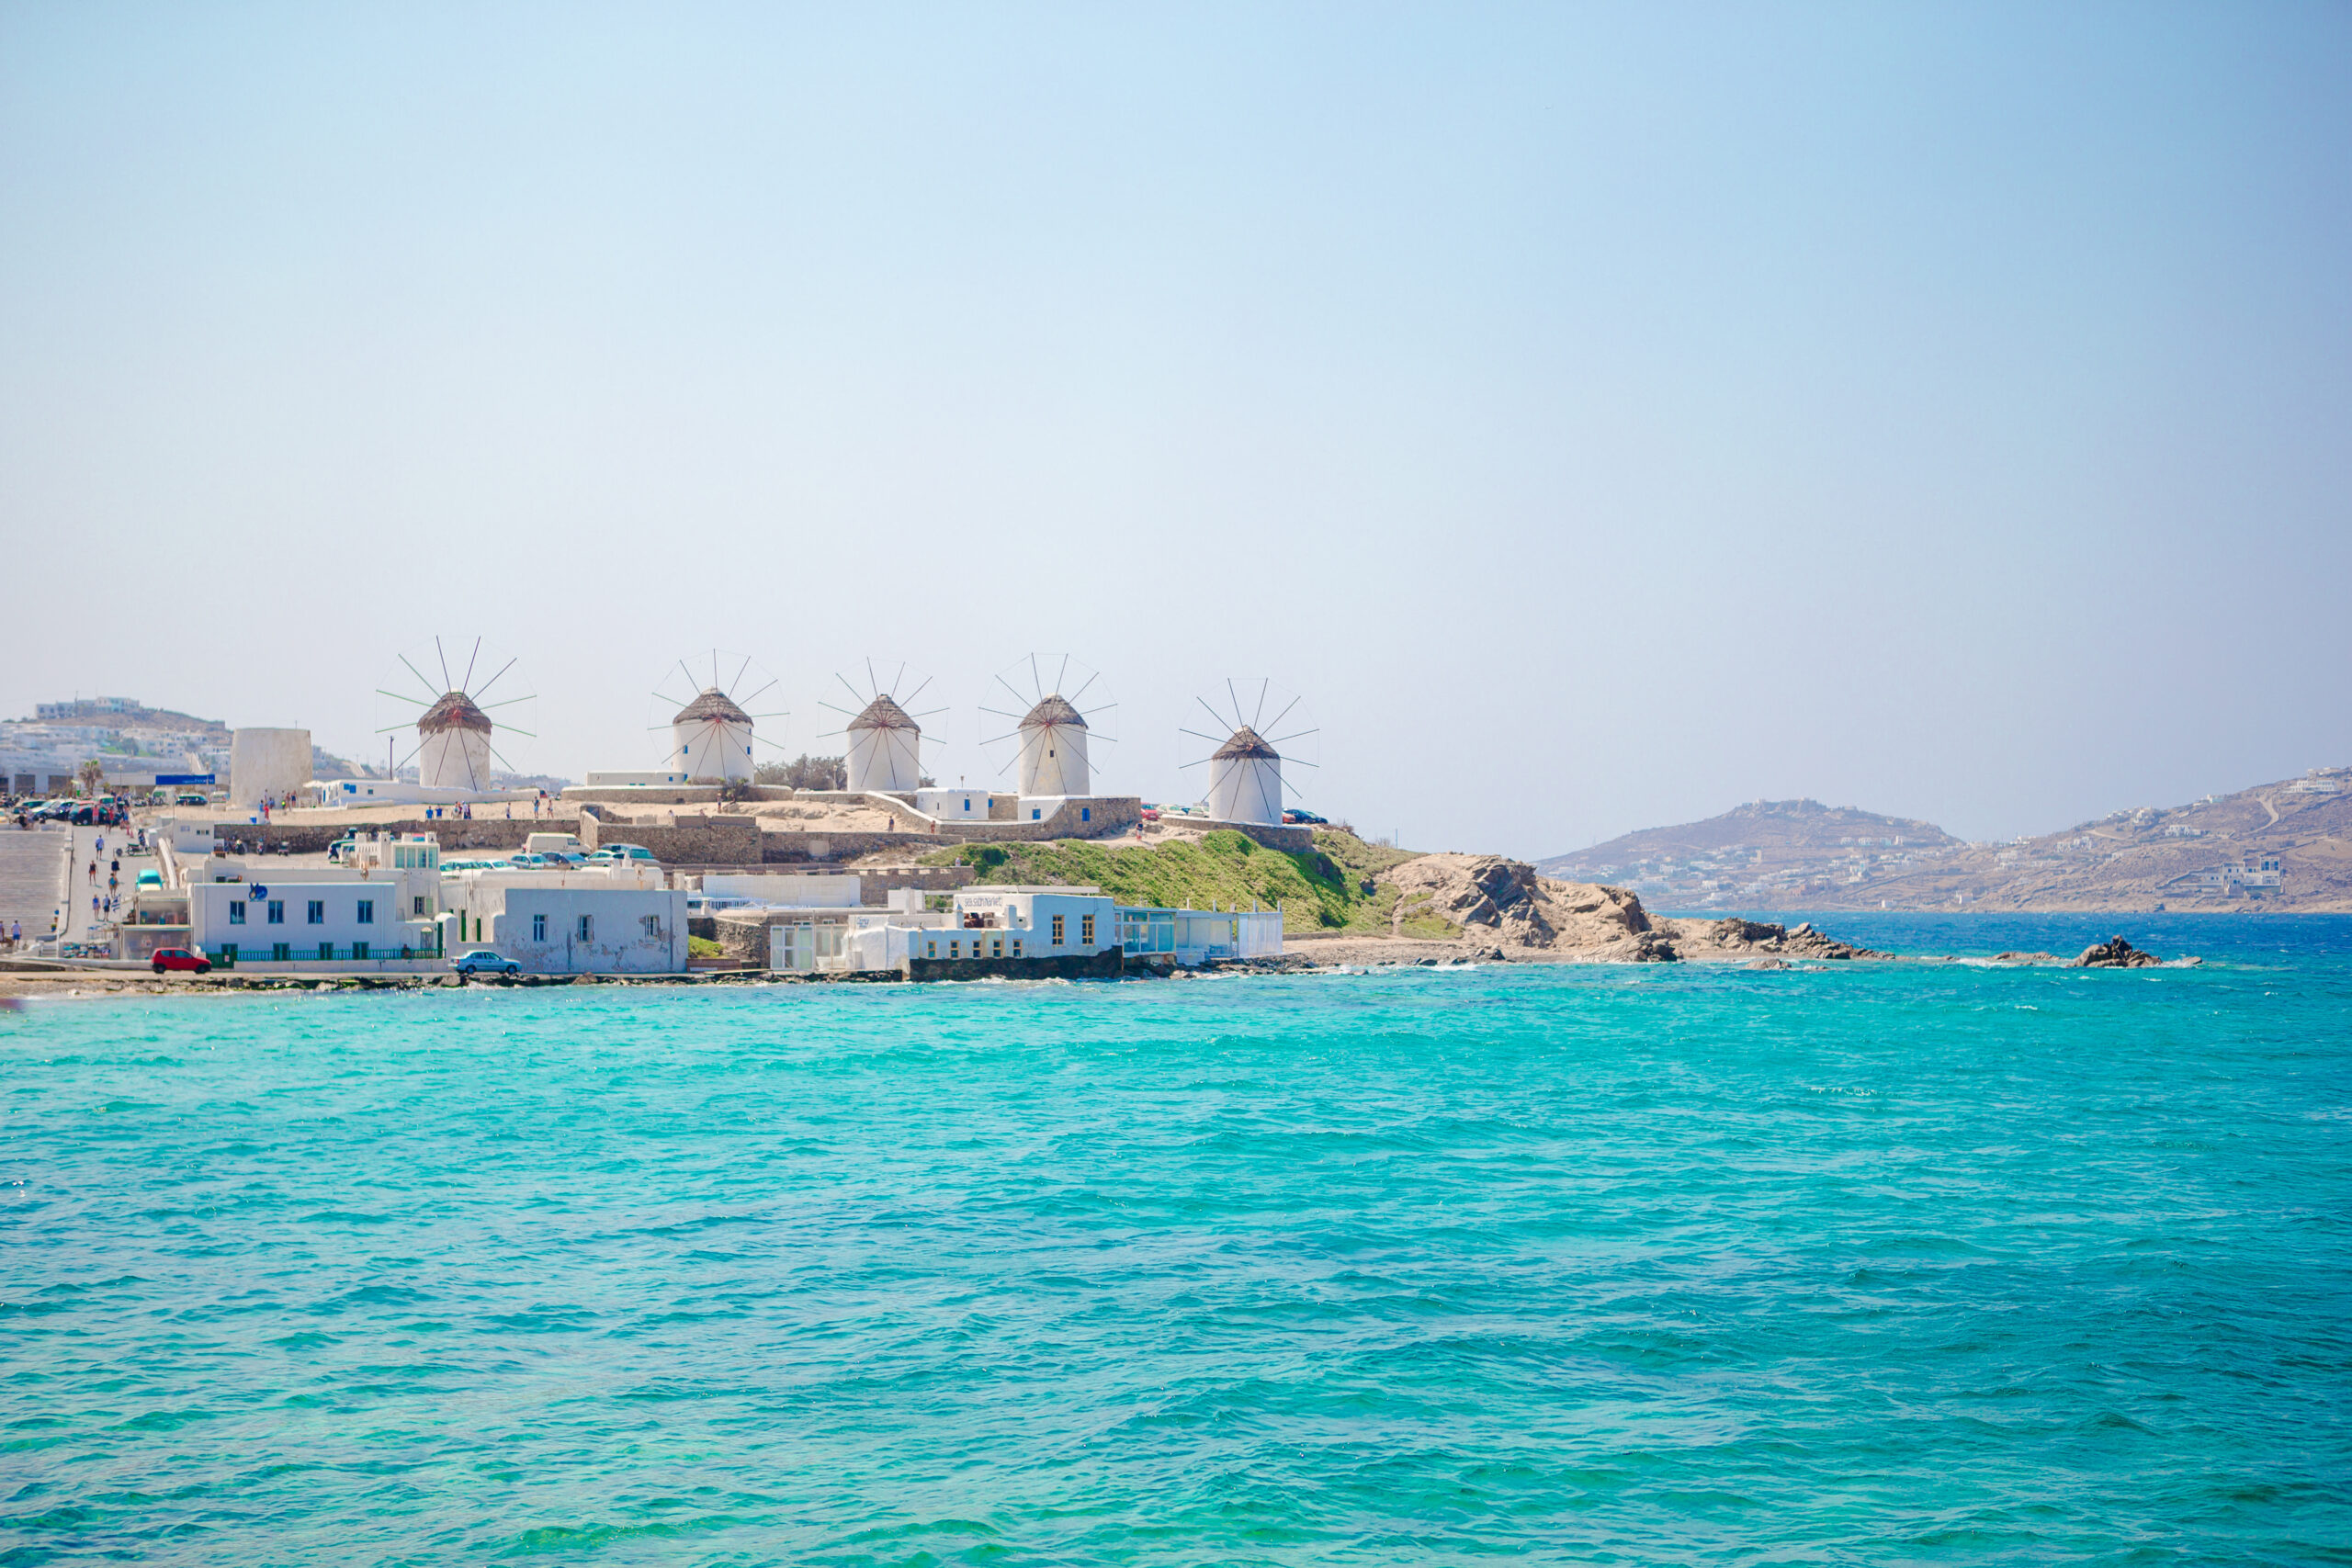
[(1053, 710), (883, 713), (1244, 742), (454, 711), (712, 704)]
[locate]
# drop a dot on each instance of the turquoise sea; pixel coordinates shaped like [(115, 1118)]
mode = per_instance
[(1878, 1264)]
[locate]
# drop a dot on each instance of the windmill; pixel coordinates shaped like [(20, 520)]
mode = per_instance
[(710, 720), (1245, 782), (454, 749), (1051, 732), (885, 741)]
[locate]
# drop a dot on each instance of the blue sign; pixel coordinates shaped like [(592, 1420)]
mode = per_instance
[(162, 779)]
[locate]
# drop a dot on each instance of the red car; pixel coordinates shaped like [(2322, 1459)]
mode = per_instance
[(181, 958)]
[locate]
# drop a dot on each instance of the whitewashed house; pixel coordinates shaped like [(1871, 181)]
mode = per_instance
[(308, 921)]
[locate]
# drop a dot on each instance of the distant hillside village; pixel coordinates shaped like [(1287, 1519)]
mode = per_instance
[(134, 747), (2286, 845)]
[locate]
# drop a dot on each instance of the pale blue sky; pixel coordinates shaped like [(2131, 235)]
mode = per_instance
[(1605, 416)]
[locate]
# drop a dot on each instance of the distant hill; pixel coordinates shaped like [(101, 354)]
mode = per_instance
[(2286, 845)]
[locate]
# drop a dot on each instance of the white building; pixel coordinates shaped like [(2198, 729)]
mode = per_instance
[(885, 749), (1053, 750), (1030, 927), (965, 805), (310, 920), (479, 893), (1043, 808), (1245, 780), (711, 739), (454, 749), (267, 764), (1200, 936), (811, 890), (624, 778), (399, 792), (557, 929), (1027, 924)]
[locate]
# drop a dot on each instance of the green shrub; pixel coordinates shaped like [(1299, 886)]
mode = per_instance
[(1321, 889)]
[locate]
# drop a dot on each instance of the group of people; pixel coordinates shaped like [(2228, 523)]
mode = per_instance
[(465, 811), (104, 905)]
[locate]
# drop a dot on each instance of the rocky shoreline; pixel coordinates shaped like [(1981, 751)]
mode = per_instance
[(1753, 944)]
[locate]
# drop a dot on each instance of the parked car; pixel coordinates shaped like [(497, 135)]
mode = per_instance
[(181, 958), (615, 853), (340, 848), (564, 857), (526, 860), (1151, 814), (191, 800), (1306, 817), (481, 961)]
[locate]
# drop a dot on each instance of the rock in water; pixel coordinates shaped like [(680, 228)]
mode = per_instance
[(2115, 953)]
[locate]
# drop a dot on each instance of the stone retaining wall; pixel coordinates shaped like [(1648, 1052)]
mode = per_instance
[(453, 833), (1107, 965), (665, 795), (1113, 814), (795, 847), (1294, 841), (716, 840)]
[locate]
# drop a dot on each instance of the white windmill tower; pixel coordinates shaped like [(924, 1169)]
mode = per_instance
[(884, 750), (1053, 732), (713, 730), (1245, 781), (453, 750)]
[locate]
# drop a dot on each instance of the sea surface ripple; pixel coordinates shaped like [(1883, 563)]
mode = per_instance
[(1656, 1264)]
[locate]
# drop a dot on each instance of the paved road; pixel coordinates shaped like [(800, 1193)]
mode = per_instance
[(82, 924), (30, 866)]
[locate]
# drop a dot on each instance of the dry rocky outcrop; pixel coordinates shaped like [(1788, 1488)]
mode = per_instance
[(1734, 937), (1507, 904), (2115, 953)]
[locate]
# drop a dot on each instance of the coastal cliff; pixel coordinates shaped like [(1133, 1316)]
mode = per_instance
[(1349, 902)]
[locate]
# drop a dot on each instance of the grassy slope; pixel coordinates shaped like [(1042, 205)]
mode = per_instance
[(1322, 890)]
